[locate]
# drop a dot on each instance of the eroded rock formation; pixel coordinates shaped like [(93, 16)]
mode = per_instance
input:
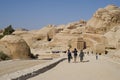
[(15, 47), (104, 19)]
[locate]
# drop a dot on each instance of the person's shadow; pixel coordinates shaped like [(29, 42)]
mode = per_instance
[(86, 61), (82, 61)]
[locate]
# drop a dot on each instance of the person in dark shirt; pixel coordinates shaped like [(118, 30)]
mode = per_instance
[(96, 56), (81, 55), (75, 54), (69, 56)]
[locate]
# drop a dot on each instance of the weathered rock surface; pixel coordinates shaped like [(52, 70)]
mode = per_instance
[(74, 25), (104, 19), (95, 42), (113, 37), (15, 47), (37, 36)]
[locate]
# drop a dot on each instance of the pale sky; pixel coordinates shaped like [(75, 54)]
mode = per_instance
[(35, 14)]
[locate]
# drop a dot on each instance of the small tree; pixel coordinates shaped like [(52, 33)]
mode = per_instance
[(3, 56), (9, 30), (1, 36)]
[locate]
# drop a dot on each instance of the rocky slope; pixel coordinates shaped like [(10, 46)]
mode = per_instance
[(104, 19), (113, 37)]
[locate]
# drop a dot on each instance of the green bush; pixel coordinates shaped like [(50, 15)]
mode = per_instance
[(3, 56), (1, 36), (9, 30)]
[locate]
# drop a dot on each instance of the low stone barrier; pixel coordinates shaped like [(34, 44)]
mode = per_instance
[(31, 72)]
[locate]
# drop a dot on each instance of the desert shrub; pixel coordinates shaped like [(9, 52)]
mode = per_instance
[(8, 30), (34, 56), (1, 36), (3, 56)]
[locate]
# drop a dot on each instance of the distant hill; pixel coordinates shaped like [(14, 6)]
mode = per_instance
[(21, 29)]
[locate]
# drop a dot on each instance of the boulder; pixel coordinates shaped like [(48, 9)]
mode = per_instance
[(29, 36), (15, 47)]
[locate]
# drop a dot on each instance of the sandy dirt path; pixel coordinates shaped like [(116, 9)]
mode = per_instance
[(101, 69), (7, 67)]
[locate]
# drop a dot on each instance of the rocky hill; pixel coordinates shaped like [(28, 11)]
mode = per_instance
[(104, 19), (101, 32)]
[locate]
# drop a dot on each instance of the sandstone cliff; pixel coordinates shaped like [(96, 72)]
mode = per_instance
[(104, 19), (113, 37)]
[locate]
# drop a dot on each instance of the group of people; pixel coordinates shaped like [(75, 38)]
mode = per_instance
[(75, 54), (81, 55)]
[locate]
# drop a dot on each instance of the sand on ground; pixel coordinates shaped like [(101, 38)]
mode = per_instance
[(10, 66), (91, 69)]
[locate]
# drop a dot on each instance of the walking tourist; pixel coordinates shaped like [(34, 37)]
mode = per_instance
[(69, 56), (88, 53), (81, 55), (75, 54), (96, 56)]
